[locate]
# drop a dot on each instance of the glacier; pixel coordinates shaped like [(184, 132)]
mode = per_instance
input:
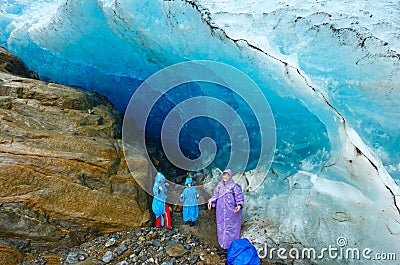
[(330, 71)]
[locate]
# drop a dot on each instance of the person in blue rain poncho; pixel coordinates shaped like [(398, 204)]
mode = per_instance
[(159, 205), (189, 197)]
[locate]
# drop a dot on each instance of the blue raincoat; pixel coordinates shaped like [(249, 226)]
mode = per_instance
[(190, 202), (158, 205), (242, 252)]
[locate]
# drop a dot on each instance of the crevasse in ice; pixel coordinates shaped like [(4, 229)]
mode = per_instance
[(329, 69)]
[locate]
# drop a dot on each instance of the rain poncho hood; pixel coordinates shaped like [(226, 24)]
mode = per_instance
[(190, 201), (230, 182), (158, 205), (188, 181), (228, 195), (159, 181)]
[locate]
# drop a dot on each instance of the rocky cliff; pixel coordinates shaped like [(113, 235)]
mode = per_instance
[(63, 177)]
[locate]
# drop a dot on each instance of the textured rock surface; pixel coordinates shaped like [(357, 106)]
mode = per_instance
[(149, 246), (184, 244), (9, 255), (63, 176), (13, 65)]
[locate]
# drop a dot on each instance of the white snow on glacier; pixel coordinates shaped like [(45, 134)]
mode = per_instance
[(329, 69)]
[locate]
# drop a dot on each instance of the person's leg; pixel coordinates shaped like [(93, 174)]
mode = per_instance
[(167, 217), (158, 222)]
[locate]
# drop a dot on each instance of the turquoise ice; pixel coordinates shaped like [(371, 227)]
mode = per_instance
[(329, 69)]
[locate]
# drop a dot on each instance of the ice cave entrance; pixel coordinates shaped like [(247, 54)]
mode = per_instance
[(301, 138)]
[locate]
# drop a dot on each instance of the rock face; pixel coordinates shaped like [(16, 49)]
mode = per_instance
[(9, 255), (63, 176), (13, 65)]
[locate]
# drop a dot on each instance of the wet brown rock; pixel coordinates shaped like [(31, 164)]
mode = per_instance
[(9, 255), (11, 64), (175, 250), (63, 176)]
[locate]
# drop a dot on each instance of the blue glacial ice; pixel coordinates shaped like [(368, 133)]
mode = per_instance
[(329, 69)]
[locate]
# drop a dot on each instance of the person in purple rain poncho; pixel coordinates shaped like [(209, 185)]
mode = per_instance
[(229, 200)]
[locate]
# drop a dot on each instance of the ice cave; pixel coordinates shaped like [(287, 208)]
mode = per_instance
[(329, 70)]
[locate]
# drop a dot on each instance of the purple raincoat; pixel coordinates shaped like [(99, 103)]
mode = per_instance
[(226, 197)]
